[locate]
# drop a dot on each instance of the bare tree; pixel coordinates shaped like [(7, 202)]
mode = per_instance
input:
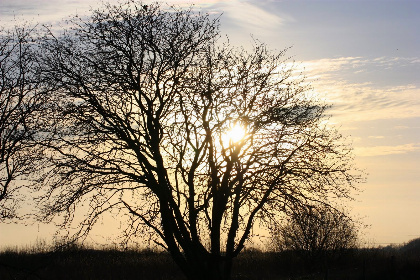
[(18, 103), (152, 116), (317, 232)]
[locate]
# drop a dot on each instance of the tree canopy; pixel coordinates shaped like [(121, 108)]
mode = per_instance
[(19, 102), (152, 115), (317, 232)]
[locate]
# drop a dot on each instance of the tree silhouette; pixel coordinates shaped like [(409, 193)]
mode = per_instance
[(317, 232), (18, 104), (141, 105)]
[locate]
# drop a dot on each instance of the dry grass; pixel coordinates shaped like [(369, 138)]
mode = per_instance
[(83, 263)]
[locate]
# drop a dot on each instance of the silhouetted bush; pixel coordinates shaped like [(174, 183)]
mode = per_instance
[(319, 234)]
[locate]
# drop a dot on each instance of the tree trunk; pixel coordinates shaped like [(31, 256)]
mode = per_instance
[(210, 268)]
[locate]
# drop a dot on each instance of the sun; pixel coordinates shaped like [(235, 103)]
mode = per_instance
[(235, 134)]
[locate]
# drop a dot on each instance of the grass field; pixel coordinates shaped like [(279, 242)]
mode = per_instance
[(83, 263)]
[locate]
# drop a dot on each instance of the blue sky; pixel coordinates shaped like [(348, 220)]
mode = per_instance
[(362, 56)]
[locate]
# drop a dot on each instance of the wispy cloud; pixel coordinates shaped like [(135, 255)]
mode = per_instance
[(247, 15), (328, 66), (365, 102), (401, 127), (251, 17), (356, 95), (47, 11), (386, 150), (43, 11)]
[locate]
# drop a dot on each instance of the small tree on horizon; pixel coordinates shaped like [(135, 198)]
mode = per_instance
[(153, 117), (317, 232)]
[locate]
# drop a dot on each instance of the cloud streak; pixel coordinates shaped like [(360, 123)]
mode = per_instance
[(354, 95), (386, 150), (250, 17)]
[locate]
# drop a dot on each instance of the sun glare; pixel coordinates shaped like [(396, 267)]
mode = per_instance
[(235, 134)]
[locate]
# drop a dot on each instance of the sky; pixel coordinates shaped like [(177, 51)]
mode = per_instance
[(361, 56)]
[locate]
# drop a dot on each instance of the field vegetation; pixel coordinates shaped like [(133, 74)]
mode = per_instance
[(79, 262)]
